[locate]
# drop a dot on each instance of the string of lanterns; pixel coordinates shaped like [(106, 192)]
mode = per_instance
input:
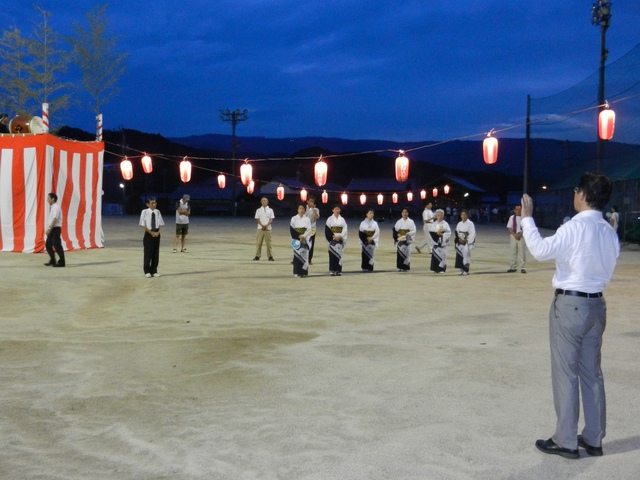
[(606, 126)]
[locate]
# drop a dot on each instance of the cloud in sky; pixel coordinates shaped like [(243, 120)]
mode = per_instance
[(411, 70)]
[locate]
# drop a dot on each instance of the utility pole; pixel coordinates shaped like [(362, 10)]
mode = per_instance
[(601, 15), (233, 117)]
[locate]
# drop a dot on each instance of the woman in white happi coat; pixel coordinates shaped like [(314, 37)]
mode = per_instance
[(300, 229), (404, 233), (465, 241), (369, 235), (440, 234), (336, 235)]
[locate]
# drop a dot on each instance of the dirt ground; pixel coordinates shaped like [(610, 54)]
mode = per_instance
[(226, 368)]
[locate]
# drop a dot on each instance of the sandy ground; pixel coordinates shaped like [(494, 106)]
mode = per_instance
[(225, 368)]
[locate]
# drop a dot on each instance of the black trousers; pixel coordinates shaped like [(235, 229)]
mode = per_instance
[(54, 243), (151, 253)]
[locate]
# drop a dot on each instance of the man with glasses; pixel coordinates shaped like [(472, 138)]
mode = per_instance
[(585, 250)]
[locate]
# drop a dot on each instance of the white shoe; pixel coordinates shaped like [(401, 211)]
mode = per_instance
[(157, 275), (148, 275), (184, 250), (175, 250)]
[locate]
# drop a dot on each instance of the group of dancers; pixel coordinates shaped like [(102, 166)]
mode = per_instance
[(437, 235)]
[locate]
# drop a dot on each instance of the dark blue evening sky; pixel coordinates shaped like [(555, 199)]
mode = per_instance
[(376, 69)]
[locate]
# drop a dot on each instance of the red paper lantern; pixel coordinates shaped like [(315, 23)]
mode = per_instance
[(380, 199), (303, 194), (394, 198), (280, 192), (246, 173), (345, 198), (147, 164), (251, 187), (222, 181), (321, 172), (185, 170), (606, 123), (423, 194), (490, 149), (402, 167), (446, 189), (410, 196), (126, 169), (434, 192), (363, 199), (325, 197)]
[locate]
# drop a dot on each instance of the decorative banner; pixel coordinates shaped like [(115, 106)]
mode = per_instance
[(31, 167), (45, 117)]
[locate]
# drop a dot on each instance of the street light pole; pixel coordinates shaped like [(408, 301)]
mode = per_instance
[(233, 117), (601, 15)]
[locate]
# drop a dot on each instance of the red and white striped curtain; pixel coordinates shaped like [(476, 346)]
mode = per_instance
[(31, 166)]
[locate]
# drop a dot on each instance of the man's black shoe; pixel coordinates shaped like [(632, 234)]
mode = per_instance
[(593, 451), (49, 264), (58, 264), (550, 447), (271, 259), (255, 259)]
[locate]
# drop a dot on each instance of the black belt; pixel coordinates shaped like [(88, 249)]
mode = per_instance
[(573, 293)]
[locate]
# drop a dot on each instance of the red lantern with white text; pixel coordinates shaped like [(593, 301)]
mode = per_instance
[(410, 196), (251, 187), (363, 199), (380, 199), (303, 194), (126, 169), (446, 189), (606, 123), (185, 170), (402, 167), (147, 164), (490, 149), (246, 173), (423, 194), (394, 198), (325, 197), (321, 172), (435, 192), (345, 198), (222, 181), (280, 192)]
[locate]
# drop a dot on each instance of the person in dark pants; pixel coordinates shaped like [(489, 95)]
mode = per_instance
[(585, 249), (54, 242), (150, 222)]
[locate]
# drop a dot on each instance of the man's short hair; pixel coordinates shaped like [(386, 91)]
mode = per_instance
[(54, 196), (596, 188)]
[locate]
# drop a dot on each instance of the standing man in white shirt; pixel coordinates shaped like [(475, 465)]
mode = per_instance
[(264, 218), (585, 250), (518, 248), (183, 212), (54, 242), (151, 221), (427, 222)]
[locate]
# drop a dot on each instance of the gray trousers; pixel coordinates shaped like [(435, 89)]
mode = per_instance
[(576, 325)]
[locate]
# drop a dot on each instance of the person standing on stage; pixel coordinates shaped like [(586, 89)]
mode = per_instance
[(54, 241), (585, 249), (4, 120), (151, 221), (465, 242), (336, 234), (300, 229), (183, 212), (440, 234), (404, 232), (313, 214), (369, 235), (427, 222), (518, 248), (264, 218)]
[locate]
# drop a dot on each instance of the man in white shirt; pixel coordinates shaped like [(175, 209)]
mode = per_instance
[(151, 221), (264, 218), (54, 241), (183, 211), (427, 221), (585, 250), (518, 248)]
